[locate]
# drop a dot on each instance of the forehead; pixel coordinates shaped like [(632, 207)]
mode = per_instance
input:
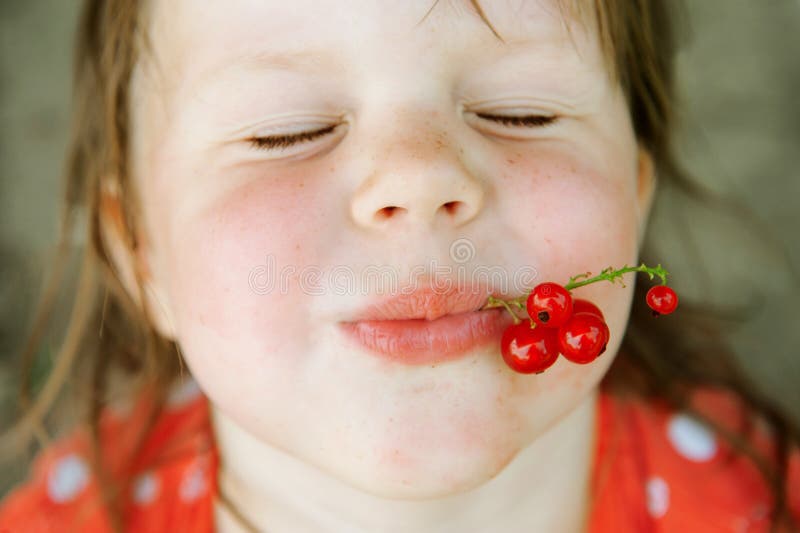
[(203, 38)]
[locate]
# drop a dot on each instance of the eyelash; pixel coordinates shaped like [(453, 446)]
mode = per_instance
[(285, 141)]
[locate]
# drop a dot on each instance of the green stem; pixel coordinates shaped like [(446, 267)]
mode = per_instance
[(497, 302), (607, 274)]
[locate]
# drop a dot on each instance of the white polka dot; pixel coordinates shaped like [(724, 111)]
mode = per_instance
[(145, 489), (657, 496), (691, 439), (67, 479), (184, 393), (193, 484)]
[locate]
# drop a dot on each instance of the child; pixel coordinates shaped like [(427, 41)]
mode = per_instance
[(230, 155)]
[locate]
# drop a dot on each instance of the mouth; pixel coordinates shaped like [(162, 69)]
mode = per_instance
[(427, 326)]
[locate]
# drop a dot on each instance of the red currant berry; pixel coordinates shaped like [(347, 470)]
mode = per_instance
[(661, 299), (607, 334), (529, 350), (585, 306), (549, 305), (583, 338)]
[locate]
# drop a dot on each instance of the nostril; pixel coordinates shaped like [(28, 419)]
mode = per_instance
[(451, 208), (388, 212)]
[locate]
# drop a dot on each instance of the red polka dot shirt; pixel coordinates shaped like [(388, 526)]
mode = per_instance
[(654, 470)]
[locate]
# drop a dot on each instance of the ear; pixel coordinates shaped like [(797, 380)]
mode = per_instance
[(646, 183), (128, 263)]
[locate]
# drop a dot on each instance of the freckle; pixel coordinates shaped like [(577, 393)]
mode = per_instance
[(301, 185), (511, 161)]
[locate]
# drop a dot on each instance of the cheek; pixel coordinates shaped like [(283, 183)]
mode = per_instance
[(237, 266), (569, 205), (568, 216)]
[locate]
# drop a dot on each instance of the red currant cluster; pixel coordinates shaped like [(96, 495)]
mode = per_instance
[(572, 327)]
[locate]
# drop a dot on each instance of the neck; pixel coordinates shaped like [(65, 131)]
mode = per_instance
[(546, 487)]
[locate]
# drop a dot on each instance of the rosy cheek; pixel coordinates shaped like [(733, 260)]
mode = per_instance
[(569, 215), (236, 264)]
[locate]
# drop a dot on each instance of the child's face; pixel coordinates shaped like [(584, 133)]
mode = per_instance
[(564, 198)]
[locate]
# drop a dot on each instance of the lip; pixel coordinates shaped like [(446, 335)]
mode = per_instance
[(427, 326)]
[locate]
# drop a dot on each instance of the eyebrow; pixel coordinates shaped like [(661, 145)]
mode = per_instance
[(313, 61)]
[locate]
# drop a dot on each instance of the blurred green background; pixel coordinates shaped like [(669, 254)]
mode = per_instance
[(740, 77)]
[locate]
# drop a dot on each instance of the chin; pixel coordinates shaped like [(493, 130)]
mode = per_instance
[(396, 475)]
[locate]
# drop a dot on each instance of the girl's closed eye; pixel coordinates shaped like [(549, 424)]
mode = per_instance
[(527, 121), (285, 141)]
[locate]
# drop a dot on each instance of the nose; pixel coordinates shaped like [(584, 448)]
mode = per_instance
[(418, 181)]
